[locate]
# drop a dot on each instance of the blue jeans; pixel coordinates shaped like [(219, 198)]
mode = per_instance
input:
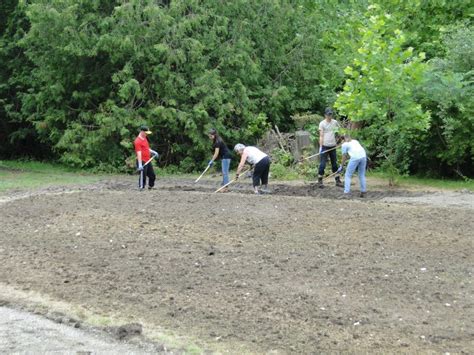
[(360, 165), (225, 171)]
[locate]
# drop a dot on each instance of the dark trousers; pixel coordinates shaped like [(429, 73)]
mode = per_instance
[(261, 171), (324, 157), (146, 172)]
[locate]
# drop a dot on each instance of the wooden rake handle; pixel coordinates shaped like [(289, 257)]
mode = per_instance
[(315, 155), (231, 182), (200, 176)]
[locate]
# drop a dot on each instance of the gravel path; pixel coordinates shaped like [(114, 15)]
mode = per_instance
[(25, 333)]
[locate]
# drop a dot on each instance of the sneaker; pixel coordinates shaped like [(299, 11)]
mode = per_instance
[(225, 189), (151, 187), (339, 182), (362, 194), (320, 183), (265, 191), (345, 196)]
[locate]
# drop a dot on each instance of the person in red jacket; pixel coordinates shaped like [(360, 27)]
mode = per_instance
[(144, 159)]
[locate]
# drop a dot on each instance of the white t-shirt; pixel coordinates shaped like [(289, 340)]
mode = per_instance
[(254, 155), (354, 149), (329, 129)]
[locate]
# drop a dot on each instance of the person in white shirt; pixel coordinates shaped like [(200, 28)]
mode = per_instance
[(261, 165), (357, 161)]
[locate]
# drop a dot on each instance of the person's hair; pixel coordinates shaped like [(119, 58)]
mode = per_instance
[(217, 137), (239, 146)]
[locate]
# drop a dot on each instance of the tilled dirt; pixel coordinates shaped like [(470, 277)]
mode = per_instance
[(297, 271)]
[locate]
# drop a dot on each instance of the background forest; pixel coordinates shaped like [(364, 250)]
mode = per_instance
[(78, 77)]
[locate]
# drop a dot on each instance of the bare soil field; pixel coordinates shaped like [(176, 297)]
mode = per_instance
[(297, 271)]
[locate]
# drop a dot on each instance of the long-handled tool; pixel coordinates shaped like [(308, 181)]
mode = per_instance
[(315, 155), (330, 175), (200, 176), (231, 181), (149, 160)]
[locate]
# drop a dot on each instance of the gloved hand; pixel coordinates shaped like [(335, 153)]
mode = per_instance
[(140, 167), (320, 149), (211, 162), (154, 153), (340, 169)]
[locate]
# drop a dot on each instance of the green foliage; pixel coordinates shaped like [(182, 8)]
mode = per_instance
[(448, 93), (100, 69), (390, 168), (379, 91), (278, 171), (282, 165), (78, 78), (307, 169), (425, 22), (308, 122), (281, 172), (282, 157)]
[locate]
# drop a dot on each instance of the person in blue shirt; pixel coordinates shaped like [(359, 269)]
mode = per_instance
[(358, 161)]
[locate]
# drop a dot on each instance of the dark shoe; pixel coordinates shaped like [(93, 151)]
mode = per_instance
[(362, 194), (320, 183), (339, 182)]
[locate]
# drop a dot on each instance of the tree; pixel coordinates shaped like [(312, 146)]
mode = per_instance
[(448, 93), (379, 91)]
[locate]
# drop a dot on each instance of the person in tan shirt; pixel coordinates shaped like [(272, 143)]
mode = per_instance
[(327, 146)]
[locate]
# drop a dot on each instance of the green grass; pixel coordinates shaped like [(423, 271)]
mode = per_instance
[(26, 175), (427, 182)]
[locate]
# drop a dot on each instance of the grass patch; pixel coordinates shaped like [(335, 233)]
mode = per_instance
[(31, 174), (427, 182)]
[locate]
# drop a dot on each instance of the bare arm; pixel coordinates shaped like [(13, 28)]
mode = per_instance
[(216, 154), (321, 138), (139, 157), (243, 159)]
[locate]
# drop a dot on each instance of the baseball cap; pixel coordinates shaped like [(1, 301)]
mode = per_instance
[(328, 111), (145, 129)]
